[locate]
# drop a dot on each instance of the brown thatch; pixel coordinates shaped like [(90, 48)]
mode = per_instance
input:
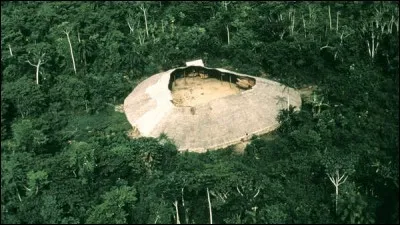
[(212, 125)]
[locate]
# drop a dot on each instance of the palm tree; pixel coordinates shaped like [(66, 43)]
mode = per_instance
[(317, 103), (282, 101)]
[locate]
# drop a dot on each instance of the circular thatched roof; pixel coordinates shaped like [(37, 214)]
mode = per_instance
[(215, 124)]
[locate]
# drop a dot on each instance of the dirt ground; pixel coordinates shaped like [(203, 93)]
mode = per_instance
[(306, 93), (192, 91), (239, 147), (119, 108), (133, 133)]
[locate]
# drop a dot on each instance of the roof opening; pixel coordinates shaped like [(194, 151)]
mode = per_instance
[(196, 85)]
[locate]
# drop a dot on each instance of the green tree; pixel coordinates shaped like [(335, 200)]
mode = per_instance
[(115, 208), (27, 98)]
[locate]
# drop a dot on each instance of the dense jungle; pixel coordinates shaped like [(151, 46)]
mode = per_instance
[(66, 156)]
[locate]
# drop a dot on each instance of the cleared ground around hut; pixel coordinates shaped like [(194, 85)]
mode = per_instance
[(193, 91)]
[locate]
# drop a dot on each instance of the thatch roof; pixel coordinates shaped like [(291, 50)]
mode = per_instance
[(212, 125)]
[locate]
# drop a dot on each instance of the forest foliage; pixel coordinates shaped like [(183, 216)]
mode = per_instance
[(66, 156)]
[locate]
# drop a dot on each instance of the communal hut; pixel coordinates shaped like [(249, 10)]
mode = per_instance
[(198, 114)]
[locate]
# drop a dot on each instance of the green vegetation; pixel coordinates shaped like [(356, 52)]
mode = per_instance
[(66, 158)]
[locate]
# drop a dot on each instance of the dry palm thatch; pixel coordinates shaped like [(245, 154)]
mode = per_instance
[(211, 125)]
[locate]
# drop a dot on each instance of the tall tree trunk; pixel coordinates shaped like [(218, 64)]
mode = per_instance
[(19, 196), (37, 72), (9, 47), (390, 26), (155, 221), (186, 210), (341, 39), (227, 31), (131, 29), (336, 197), (85, 61), (293, 19), (282, 34), (177, 212), (141, 38), (40, 62), (70, 48), (209, 206), (145, 21), (337, 22), (330, 18), (373, 46), (337, 181), (145, 18)]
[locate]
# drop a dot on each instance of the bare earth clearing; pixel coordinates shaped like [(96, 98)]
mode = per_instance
[(192, 91)]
